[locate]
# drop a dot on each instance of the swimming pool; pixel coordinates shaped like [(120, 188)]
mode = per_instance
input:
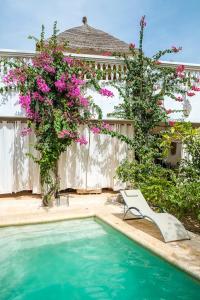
[(84, 259)]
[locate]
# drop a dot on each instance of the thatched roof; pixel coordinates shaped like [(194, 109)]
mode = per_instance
[(90, 40)]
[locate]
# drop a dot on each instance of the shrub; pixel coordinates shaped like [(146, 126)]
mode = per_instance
[(162, 187)]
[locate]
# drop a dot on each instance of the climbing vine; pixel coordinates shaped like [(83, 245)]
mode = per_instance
[(52, 92), (145, 86)]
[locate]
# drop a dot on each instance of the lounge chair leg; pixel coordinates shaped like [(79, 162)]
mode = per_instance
[(125, 213)]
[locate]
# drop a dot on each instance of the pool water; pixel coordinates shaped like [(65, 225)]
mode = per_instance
[(84, 259)]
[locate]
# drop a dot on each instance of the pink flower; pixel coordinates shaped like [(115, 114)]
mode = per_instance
[(37, 96), (26, 131), (61, 85), (43, 87), (65, 132), (143, 22), (195, 88), (49, 69), (81, 140), (95, 130), (74, 92), (169, 111), (77, 81), (180, 68), (179, 71), (84, 102), (106, 93), (33, 115), (70, 103), (190, 94), (179, 98), (175, 49), (181, 75), (106, 53), (106, 126), (157, 62), (16, 75), (25, 101), (172, 123), (42, 59), (131, 46), (68, 60)]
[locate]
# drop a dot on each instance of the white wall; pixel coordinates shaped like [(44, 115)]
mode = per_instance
[(9, 104)]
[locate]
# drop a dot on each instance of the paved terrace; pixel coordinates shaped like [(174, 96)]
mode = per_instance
[(26, 209)]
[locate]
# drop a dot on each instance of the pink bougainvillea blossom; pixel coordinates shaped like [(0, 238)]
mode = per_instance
[(37, 96), (84, 102), (179, 98), (81, 140), (195, 88), (65, 132), (190, 94), (131, 46), (175, 49), (26, 131), (49, 69), (169, 111), (61, 85), (157, 62), (42, 59), (106, 126), (70, 103), (180, 69), (95, 130), (143, 22), (181, 75), (33, 115), (74, 92), (76, 80), (68, 60), (24, 101), (43, 87), (172, 123), (15, 76), (106, 53), (106, 92)]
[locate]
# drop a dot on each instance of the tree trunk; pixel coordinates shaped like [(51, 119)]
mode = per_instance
[(53, 189)]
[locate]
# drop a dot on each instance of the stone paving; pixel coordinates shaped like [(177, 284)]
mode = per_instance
[(27, 209)]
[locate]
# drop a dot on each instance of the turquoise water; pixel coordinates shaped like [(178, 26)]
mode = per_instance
[(84, 259)]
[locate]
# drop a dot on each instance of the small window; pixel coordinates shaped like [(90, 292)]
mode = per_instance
[(173, 148)]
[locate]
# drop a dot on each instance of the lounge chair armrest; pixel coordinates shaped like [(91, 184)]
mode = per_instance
[(133, 207)]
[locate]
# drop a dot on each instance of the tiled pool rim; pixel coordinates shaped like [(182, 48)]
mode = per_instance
[(164, 252)]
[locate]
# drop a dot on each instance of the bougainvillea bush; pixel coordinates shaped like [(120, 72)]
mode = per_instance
[(52, 93), (146, 84)]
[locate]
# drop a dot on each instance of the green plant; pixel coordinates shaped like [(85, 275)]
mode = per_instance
[(189, 169), (162, 187), (145, 85), (52, 94)]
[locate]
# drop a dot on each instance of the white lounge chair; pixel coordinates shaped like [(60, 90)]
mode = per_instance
[(170, 227)]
